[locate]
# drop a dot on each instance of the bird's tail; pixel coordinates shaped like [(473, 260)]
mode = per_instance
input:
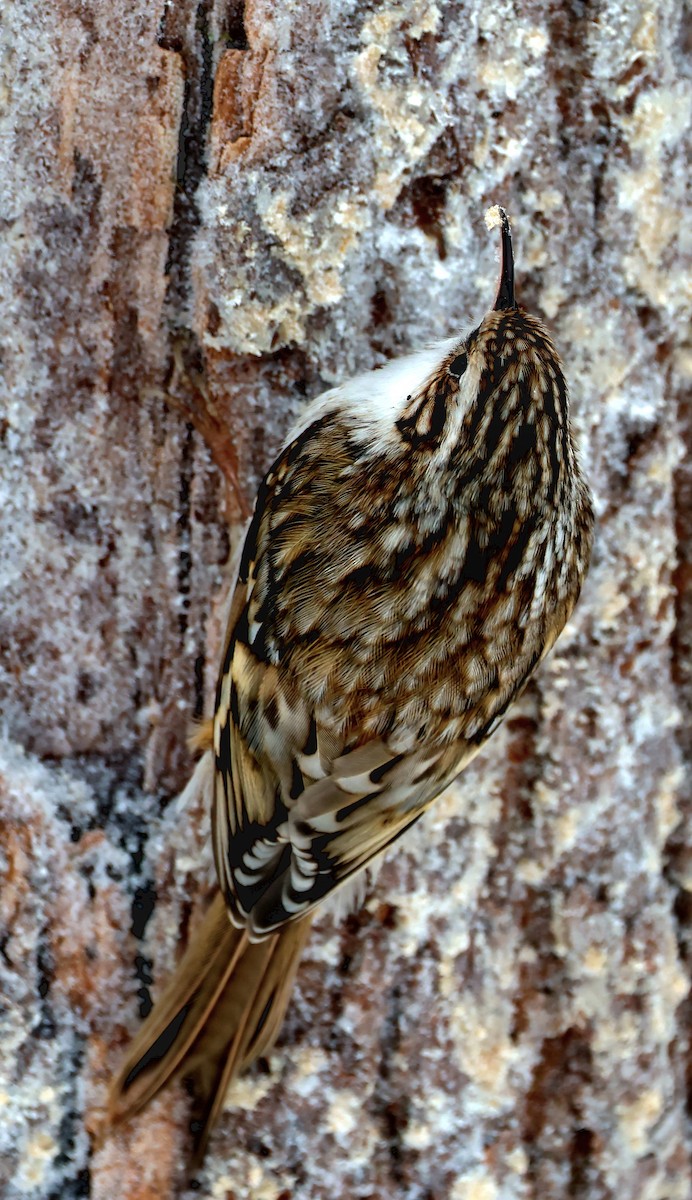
[(222, 1008)]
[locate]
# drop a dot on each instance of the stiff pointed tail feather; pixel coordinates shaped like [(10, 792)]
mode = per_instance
[(222, 1008)]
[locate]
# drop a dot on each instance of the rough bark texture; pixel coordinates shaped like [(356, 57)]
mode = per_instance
[(269, 197)]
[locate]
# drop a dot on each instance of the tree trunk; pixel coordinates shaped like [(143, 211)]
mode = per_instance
[(212, 211)]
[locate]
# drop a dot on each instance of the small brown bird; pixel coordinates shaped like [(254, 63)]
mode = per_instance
[(415, 551)]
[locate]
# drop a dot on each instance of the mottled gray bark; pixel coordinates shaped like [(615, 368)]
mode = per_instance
[(210, 212)]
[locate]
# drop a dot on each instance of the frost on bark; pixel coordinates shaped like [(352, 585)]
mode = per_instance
[(210, 212)]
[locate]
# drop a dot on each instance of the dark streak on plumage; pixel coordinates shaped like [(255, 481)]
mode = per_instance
[(271, 712), (159, 1048), (297, 782)]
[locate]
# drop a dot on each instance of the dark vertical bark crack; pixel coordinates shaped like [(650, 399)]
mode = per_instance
[(394, 1110), (184, 531), (192, 147), (678, 848), (189, 32), (79, 1185), (236, 36)]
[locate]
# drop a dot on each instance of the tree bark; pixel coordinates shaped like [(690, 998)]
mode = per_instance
[(211, 212)]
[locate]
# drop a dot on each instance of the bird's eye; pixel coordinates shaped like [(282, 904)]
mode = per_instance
[(458, 365)]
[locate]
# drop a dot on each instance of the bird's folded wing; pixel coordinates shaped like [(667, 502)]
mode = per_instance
[(292, 822)]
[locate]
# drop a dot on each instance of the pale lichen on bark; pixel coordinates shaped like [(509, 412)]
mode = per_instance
[(275, 196)]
